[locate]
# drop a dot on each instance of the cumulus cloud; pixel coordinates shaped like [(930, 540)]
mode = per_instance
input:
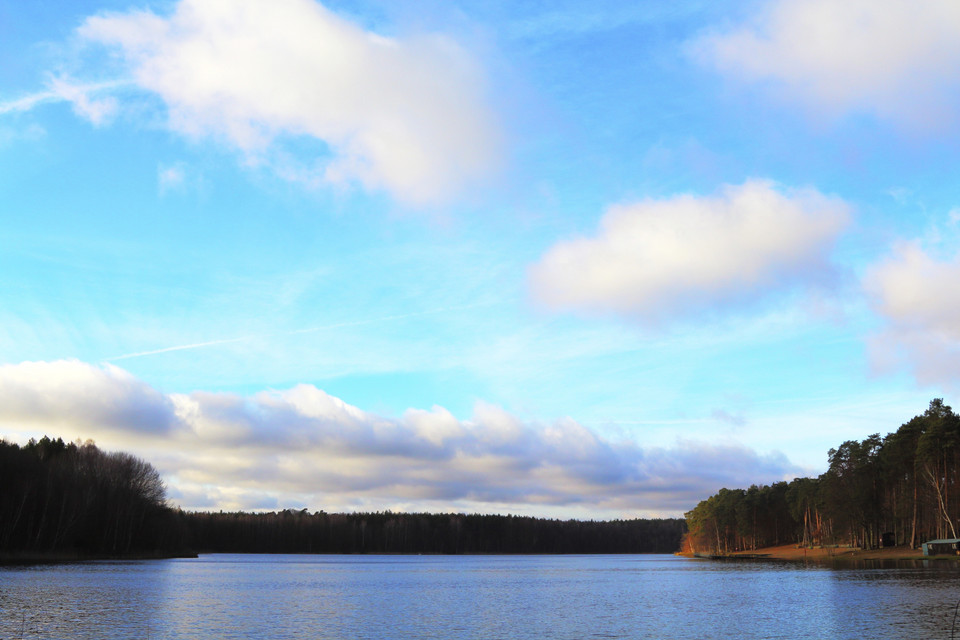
[(896, 59), (659, 258), (916, 294), (303, 446), (405, 115), (83, 397)]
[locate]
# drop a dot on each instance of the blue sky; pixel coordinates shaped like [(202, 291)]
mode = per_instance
[(564, 259)]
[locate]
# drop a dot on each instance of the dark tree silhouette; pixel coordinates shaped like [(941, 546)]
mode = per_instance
[(60, 498)]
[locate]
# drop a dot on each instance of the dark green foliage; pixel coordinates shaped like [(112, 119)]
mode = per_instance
[(59, 498), (302, 532), (904, 484)]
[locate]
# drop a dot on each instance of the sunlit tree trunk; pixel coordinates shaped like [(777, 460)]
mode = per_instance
[(934, 476)]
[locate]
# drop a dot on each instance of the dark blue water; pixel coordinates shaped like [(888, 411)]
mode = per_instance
[(248, 596)]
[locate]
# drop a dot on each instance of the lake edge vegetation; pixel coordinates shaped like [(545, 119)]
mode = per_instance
[(899, 490)]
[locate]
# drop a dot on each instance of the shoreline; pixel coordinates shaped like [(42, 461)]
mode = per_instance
[(18, 559), (791, 553), (29, 558)]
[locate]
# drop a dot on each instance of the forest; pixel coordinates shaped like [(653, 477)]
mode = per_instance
[(455, 533), (73, 500), (899, 490)]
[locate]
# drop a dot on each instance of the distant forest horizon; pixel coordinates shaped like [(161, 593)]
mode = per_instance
[(60, 499)]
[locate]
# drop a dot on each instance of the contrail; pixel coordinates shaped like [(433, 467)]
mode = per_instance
[(338, 325), (182, 347)]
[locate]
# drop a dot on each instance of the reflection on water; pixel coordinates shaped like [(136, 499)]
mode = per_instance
[(236, 596), (88, 600)]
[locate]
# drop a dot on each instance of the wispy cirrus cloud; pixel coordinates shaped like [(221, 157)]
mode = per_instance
[(894, 59), (654, 260), (89, 100), (303, 446), (171, 178), (405, 115), (293, 332)]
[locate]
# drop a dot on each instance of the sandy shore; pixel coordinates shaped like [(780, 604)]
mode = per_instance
[(835, 554), (791, 552)]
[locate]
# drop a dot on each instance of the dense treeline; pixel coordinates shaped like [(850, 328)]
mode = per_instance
[(59, 499), (901, 489), (302, 532)]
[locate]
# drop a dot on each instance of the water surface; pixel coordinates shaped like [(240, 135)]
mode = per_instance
[(509, 597)]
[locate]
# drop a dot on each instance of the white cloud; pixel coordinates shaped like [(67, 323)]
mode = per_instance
[(658, 258), (29, 102), (82, 396), (170, 178), (722, 415), (302, 446), (406, 115), (83, 98), (917, 295), (896, 59), (97, 110), (30, 133)]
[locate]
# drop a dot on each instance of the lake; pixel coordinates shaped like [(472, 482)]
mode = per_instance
[(508, 597)]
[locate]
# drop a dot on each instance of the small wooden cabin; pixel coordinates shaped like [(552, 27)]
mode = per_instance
[(947, 546)]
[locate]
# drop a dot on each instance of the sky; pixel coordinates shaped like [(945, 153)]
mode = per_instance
[(563, 259)]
